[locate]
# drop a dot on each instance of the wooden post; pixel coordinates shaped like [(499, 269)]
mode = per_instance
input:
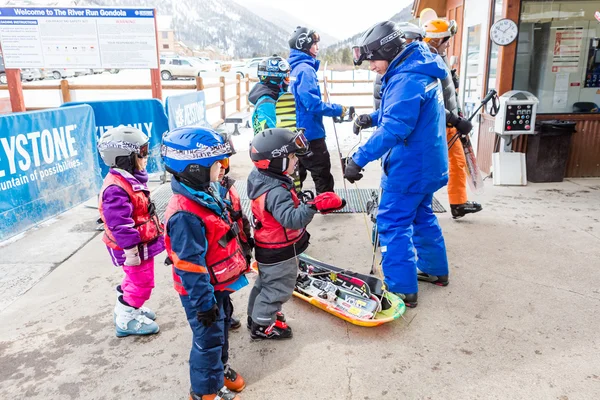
[(223, 113), (247, 93), (156, 82), (15, 90), (507, 54), (65, 91), (199, 84), (238, 92)]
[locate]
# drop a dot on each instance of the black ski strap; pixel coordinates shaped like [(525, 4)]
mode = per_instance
[(231, 234)]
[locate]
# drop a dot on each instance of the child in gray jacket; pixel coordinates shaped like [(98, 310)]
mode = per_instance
[(280, 221)]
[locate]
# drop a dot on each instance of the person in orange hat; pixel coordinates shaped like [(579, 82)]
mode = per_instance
[(438, 32)]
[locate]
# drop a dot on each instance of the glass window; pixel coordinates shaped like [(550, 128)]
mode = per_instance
[(558, 54), (493, 54), (165, 35), (165, 46), (471, 70)]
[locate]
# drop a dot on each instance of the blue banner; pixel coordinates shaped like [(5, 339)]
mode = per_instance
[(147, 115), (187, 109), (76, 12), (48, 164)]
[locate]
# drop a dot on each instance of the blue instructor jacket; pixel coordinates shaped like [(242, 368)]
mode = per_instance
[(411, 126), (310, 108)]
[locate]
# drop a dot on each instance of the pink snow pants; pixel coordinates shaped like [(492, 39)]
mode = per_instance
[(138, 283)]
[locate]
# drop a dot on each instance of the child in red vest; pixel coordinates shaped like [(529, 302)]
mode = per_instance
[(203, 243), (280, 221), (232, 199), (132, 231)]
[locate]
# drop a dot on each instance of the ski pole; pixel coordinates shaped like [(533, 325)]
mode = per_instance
[(337, 140)]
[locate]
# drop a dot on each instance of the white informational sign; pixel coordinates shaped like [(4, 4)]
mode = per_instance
[(567, 49), (78, 37), (561, 90)]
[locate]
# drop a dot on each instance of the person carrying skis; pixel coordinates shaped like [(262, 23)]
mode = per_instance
[(204, 248), (310, 109), (132, 230), (279, 221), (410, 136), (437, 35), (274, 78)]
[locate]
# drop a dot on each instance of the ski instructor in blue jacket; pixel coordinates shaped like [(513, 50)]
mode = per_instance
[(411, 139), (310, 109)]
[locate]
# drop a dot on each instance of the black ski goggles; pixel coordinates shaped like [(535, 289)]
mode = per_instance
[(368, 51), (143, 152), (301, 143)]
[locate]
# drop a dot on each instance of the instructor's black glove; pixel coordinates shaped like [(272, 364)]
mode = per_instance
[(207, 318), (362, 122), (463, 126), (352, 171)]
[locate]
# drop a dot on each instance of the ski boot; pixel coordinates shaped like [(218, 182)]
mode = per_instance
[(277, 330), (131, 321), (233, 380), (439, 280), (223, 394), (460, 210), (234, 323), (280, 317), (410, 299), (146, 312)]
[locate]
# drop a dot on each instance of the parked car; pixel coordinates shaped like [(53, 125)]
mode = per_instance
[(250, 69), (173, 68), (57, 73), (81, 71), (95, 71), (113, 70), (31, 74), (210, 65)]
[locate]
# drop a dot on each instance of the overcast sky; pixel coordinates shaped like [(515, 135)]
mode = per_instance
[(341, 18)]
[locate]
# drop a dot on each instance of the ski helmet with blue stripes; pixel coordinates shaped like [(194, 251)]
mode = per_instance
[(189, 152)]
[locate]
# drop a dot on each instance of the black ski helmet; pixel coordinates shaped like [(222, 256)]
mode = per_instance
[(382, 41), (270, 148), (275, 70), (303, 38)]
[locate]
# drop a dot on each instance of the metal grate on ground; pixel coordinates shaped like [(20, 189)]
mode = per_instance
[(356, 199)]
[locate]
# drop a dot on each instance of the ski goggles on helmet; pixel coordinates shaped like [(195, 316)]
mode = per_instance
[(368, 51), (143, 152), (224, 162), (301, 143), (314, 36)]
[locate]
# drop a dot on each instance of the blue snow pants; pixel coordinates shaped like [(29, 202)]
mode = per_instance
[(210, 346), (410, 238)]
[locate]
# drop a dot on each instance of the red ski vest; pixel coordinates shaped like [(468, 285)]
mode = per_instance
[(236, 205), (268, 233), (146, 221), (225, 261)]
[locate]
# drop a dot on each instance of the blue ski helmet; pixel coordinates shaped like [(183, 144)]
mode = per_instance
[(189, 152), (275, 70)]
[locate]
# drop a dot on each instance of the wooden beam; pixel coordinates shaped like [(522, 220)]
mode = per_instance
[(507, 54), (15, 90)]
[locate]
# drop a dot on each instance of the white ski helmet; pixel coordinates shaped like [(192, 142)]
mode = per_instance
[(411, 31), (122, 141)]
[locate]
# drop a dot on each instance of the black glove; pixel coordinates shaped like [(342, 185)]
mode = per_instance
[(207, 318), (352, 171), (361, 122), (463, 126)]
